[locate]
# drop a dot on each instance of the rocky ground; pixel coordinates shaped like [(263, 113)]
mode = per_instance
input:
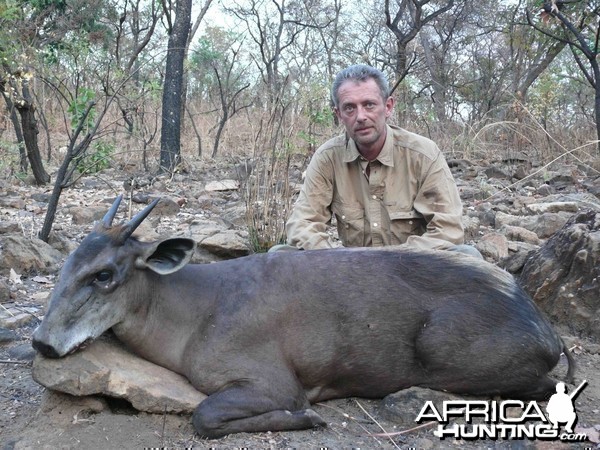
[(513, 225)]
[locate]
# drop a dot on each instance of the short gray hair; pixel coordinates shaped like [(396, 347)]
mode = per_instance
[(360, 73)]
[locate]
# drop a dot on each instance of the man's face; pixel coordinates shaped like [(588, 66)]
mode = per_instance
[(363, 112)]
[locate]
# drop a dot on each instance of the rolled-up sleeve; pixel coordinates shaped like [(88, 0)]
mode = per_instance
[(438, 201), (307, 226)]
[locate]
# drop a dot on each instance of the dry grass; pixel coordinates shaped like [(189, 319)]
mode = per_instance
[(275, 144)]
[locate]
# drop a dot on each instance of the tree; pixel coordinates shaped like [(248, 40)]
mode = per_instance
[(439, 42), (30, 30), (170, 139), (532, 55), (216, 59), (134, 30), (410, 17), (579, 22), (274, 26)]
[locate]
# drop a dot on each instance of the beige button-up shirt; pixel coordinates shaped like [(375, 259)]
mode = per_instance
[(406, 196)]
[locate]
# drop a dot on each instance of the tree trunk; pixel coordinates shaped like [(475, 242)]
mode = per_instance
[(29, 127), (170, 140), (14, 119)]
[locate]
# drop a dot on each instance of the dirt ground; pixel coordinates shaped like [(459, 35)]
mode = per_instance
[(33, 418)]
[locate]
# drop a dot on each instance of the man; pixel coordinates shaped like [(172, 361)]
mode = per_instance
[(560, 408), (385, 185)]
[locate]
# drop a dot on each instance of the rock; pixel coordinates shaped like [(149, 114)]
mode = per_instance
[(83, 215), (514, 233), (107, 368), (4, 291), (8, 201), (22, 352), (42, 197), (228, 243), (593, 186), (62, 243), (493, 246), (485, 213), (583, 200), (7, 335), (544, 190), (9, 227), (563, 276), (540, 208), (472, 192), (544, 225), (166, 207), (522, 171), (12, 316), (459, 163), (562, 180), (201, 229), (222, 185), (208, 202), (471, 226), (517, 255), (235, 214), (496, 172), (24, 254)]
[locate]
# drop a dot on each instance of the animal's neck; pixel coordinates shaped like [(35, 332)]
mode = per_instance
[(169, 308)]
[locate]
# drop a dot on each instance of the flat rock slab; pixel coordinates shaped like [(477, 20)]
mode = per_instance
[(222, 185), (107, 368)]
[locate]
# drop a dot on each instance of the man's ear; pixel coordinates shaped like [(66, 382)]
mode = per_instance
[(168, 256), (389, 106)]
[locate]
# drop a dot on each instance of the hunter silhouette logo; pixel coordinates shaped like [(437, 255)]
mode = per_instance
[(560, 406), (508, 419)]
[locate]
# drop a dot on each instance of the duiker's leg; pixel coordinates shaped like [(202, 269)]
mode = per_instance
[(247, 409)]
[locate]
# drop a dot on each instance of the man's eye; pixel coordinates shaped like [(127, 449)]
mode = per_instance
[(103, 276)]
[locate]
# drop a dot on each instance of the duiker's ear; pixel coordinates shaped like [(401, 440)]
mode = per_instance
[(167, 256)]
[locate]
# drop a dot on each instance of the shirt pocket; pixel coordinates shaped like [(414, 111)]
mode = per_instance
[(405, 223), (350, 223)]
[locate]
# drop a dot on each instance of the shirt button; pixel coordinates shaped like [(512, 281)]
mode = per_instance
[(375, 224), (374, 197), (343, 217), (410, 222)]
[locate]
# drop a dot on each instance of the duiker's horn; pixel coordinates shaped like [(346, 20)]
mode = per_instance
[(137, 219), (110, 215)]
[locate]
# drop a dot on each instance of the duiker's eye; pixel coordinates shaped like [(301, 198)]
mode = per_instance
[(103, 276)]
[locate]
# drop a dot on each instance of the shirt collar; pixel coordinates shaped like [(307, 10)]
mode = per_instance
[(385, 157)]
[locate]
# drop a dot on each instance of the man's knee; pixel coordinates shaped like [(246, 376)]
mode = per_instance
[(466, 249), (282, 248)]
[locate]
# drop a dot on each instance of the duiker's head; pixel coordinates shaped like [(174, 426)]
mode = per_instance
[(98, 284)]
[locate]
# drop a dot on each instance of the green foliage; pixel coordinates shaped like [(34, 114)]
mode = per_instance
[(543, 94), (206, 53), (78, 108), (322, 116), (261, 242), (9, 11), (96, 161), (153, 88), (39, 5), (9, 155), (215, 50)]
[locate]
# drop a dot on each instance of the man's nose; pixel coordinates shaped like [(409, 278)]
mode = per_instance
[(361, 114)]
